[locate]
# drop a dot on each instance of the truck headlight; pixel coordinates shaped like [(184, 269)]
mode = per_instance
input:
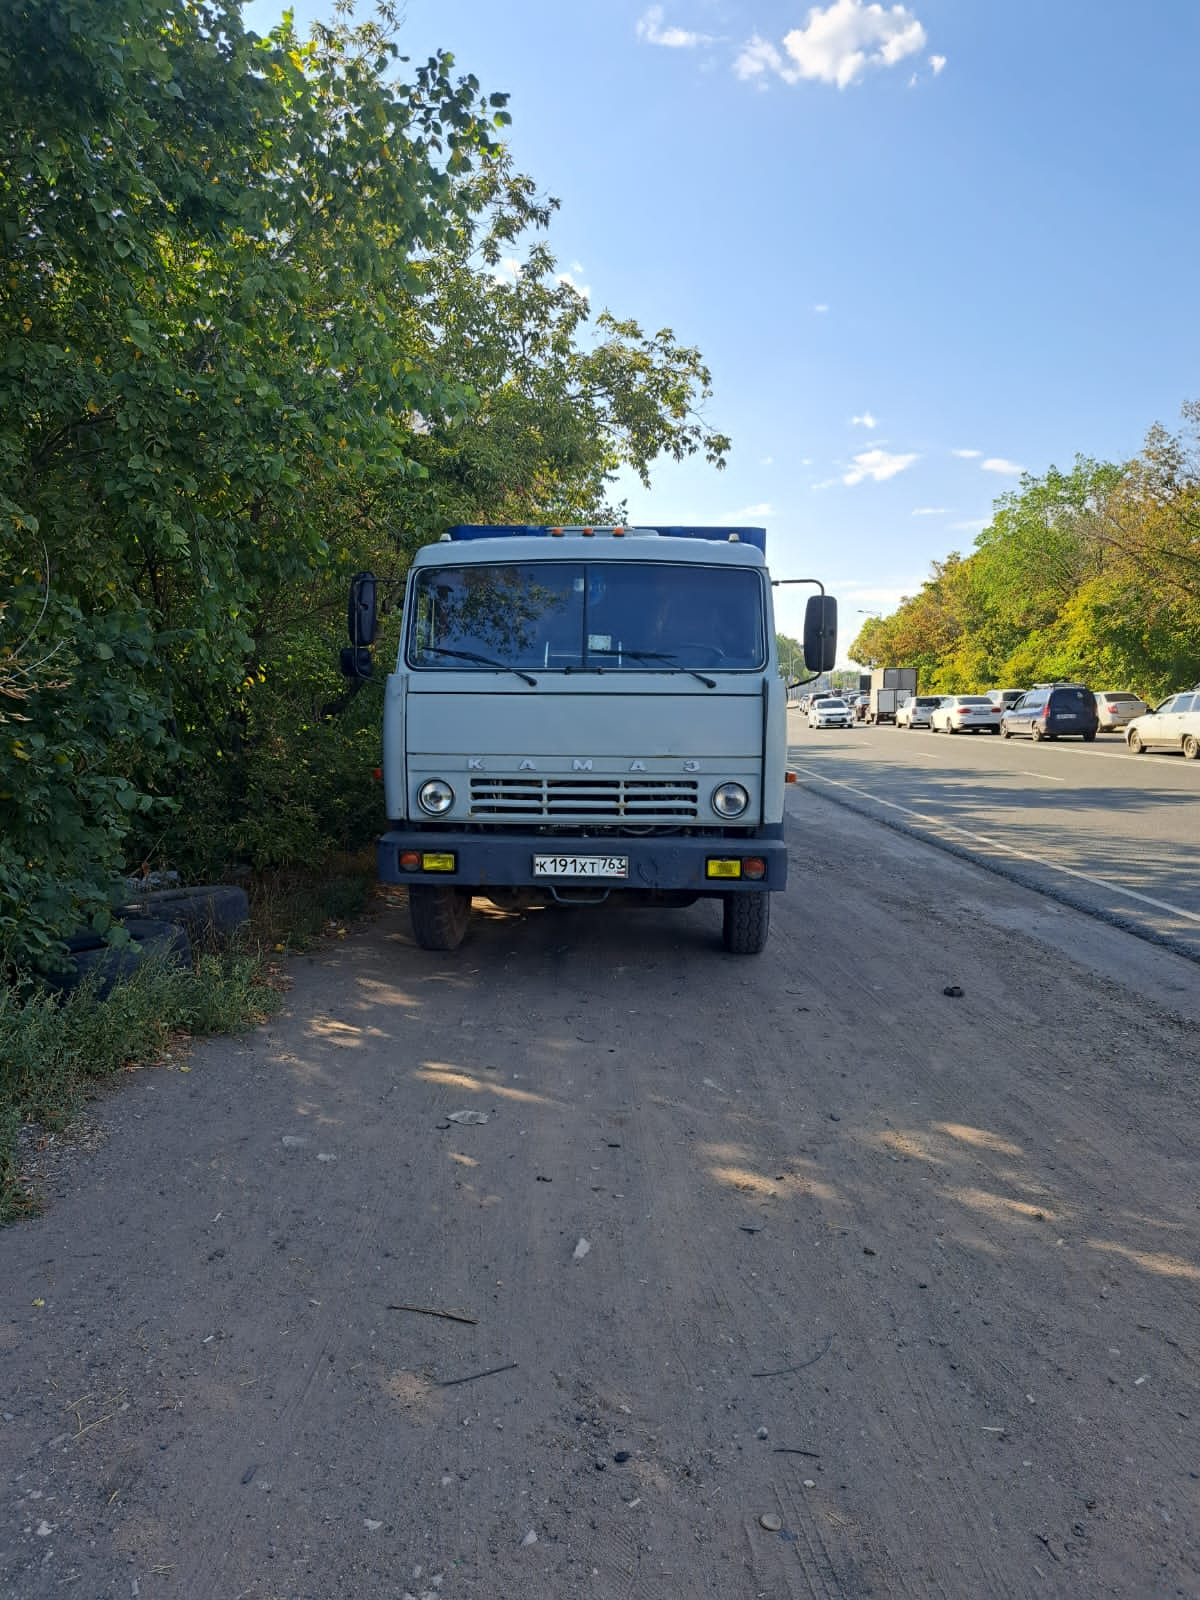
[(729, 799), (435, 796)]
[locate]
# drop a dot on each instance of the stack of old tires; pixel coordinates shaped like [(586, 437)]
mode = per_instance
[(171, 923)]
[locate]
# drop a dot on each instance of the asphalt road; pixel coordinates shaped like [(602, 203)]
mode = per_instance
[(787, 1278), (1105, 830)]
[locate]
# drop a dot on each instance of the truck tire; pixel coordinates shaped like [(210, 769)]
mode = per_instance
[(747, 922), (439, 914)]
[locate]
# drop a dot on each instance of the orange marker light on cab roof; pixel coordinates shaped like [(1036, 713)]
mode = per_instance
[(618, 533), (556, 533), (588, 533)]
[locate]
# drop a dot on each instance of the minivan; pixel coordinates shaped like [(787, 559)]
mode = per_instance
[(1052, 711)]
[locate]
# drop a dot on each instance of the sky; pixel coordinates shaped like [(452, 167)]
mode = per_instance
[(921, 247)]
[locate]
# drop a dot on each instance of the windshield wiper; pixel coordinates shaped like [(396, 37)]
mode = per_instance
[(673, 661), (484, 661)]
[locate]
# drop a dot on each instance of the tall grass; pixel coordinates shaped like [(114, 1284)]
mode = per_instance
[(54, 1051)]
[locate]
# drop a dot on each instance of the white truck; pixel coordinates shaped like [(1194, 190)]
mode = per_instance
[(889, 685), (577, 713)]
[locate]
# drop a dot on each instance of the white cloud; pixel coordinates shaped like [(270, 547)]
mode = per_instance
[(930, 511), (877, 464), (967, 455), (837, 44), (585, 289), (1008, 469), (750, 513), (756, 57), (820, 310), (767, 461), (937, 63), (969, 527), (865, 421), (650, 28), (577, 267)]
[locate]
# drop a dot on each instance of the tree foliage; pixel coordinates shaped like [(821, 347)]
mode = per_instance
[(1091, 574), (252, 336)]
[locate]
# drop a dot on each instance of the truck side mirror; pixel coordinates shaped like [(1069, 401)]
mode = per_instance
[(362, 614), (361, 617), (355, 661), (820, 633)]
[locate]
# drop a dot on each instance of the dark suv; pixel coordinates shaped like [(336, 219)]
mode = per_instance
[(1052, 710)]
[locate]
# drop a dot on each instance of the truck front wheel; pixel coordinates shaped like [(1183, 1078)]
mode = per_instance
[(439, 914), (747, 922)]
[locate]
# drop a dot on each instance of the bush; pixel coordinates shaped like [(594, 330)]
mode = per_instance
[(53, 1052)]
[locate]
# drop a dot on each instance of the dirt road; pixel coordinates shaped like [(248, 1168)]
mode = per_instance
[(789, 1277)]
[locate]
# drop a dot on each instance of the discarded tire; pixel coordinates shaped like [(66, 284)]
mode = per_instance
[(211, 914), (108, 965)]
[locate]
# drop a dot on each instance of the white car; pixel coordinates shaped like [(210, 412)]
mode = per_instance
[(916, 709), (965, 713), (1174, 725), (829, 712)]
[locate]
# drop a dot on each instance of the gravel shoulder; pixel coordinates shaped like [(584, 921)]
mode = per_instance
[(944, 1251)]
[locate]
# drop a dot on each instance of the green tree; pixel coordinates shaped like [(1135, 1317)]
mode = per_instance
[(207, 244)]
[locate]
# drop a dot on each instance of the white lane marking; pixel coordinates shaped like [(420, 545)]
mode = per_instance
[(1112, 755), (996, 844), (1049, 776)]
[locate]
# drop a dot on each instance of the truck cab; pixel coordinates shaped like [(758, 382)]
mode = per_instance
[(577, 713)]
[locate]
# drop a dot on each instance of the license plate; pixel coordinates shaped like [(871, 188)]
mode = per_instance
[(1068, 716), (581, 866)]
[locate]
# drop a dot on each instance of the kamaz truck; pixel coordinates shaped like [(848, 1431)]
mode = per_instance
[(584, 713)]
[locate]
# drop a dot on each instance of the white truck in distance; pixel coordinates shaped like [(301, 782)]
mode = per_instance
[(584, 712), (889, 685)]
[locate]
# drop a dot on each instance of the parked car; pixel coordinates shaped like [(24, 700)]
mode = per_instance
[(829, 711), (1115, 708), (1052, 711), (915, 710), (1174, 725), (1005, 697), (964, 713)]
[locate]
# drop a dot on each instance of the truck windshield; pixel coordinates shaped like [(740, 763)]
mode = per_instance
[(574, 616)]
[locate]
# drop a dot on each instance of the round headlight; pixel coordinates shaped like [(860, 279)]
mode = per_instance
[(435, 796), (729, 800)]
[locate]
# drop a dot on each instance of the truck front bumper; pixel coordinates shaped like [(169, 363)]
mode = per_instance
[(505, 861)]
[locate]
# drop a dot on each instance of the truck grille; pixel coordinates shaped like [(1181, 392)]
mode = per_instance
[(627, 799)]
